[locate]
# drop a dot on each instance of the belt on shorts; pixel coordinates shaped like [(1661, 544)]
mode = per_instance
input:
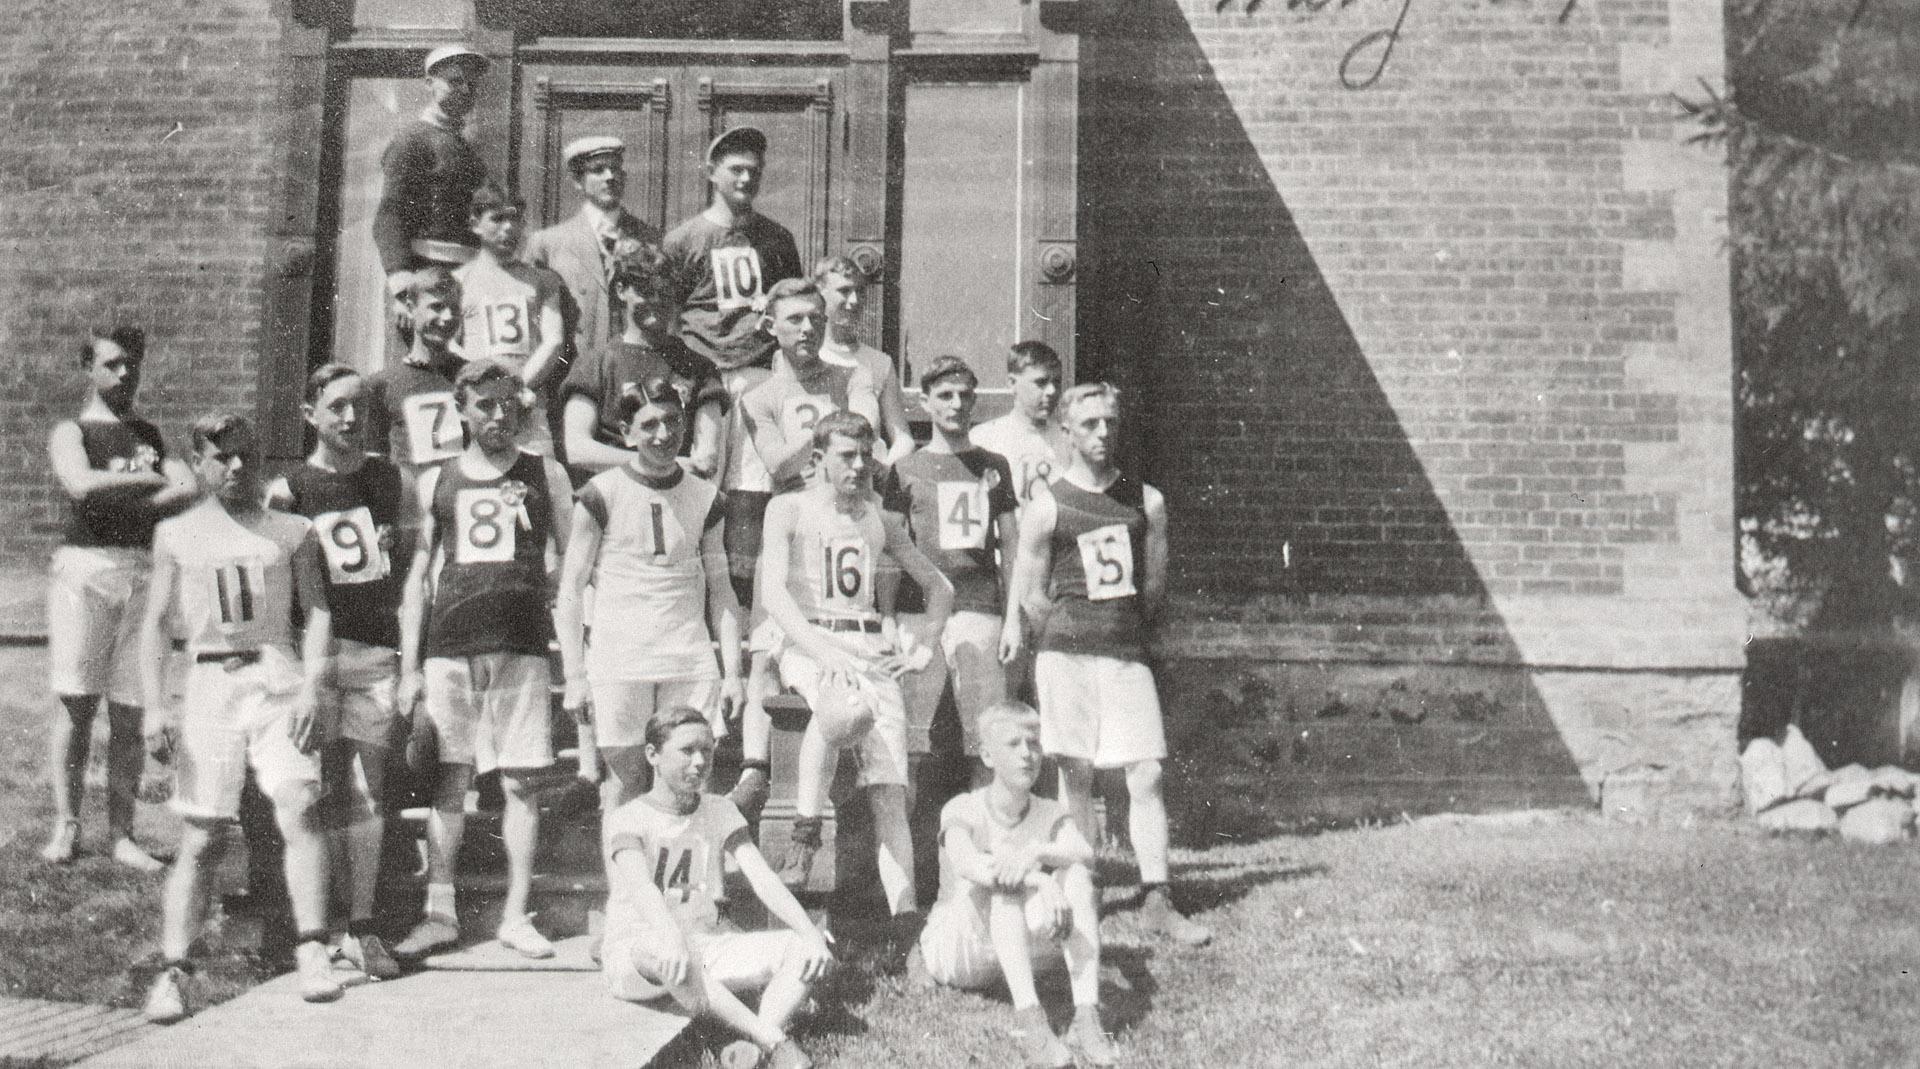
[(871, 627), (232, 659)]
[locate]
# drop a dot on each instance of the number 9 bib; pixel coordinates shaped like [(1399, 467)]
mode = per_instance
[(484, 525), (351, 541), (1106, 556)]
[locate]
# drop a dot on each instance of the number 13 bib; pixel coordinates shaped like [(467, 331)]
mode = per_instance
[(1106, 556)]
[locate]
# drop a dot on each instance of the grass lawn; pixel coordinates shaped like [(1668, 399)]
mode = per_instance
[(1557, 940), (86, 932)]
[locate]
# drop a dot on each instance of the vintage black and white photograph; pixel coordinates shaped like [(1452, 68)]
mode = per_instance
[(719, 534)]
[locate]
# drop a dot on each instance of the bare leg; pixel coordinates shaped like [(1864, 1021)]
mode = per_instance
[(816, 765), (365, 828), (126, 757), (68, 741), (1147, 820), (183, 902), (306, 854), (1007, 924), (446, 826), (703, 997), (895, 840), (756, 727), (1083, 943), (786, 992), (1076, 789), (520, 834)]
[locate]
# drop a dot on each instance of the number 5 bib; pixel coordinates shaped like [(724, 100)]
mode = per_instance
[(433, 428), (1106, 556), (484, 525), (352, 545)]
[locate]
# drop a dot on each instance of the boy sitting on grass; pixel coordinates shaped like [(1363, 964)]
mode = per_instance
[(1015, 891), (665, 931)]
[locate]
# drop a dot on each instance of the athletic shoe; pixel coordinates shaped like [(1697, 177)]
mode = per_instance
[(61, 845), (128, 853), (519, 935), (167, 998), (917, 974), (750, 794), (1039, 1047), (317, 982), (1158, 914), (436, 931), (370, 955), (740, 1054), (798, 865), (1087, 1036), (788, 1055)]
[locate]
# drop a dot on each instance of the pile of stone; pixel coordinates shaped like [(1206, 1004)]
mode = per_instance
[(1788, 788)]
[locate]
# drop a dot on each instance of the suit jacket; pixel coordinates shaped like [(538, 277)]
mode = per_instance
[(572, 250)]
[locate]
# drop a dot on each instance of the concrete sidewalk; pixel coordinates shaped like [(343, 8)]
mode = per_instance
[(514, 1015)]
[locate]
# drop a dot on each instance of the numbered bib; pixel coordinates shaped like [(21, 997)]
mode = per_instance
[(664, 534), (484, 525), (846, 574), (1106, 556), (799, 413), (680, 868), (963, 514), (351, 541), (1036, 469), (433, 427), (505, 324), (238, 590), (736, 276)]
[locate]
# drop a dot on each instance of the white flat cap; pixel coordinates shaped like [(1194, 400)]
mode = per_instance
[(582, 147), (446, 52)]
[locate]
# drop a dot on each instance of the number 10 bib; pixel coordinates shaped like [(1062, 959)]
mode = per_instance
[(736, 276)]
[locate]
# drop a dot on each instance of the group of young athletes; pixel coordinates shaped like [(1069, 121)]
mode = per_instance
[(744, 513)]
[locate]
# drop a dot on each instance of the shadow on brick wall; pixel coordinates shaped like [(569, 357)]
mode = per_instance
[(1288, 475)]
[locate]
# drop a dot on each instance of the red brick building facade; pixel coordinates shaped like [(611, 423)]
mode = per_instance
[(1435, 371)]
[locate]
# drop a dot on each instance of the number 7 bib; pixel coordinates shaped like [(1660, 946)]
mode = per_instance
[(433, 428), (1106, 556)]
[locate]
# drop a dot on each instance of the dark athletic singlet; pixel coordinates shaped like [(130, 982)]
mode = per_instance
[(1099, 563), (116, 519), (350, 514), (491, 594)]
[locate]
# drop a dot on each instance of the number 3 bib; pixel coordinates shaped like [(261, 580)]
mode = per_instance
[(352, 545), (1106, 556)]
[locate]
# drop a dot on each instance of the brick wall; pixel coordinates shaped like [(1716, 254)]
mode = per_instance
[(1456, 344), (134, 183)]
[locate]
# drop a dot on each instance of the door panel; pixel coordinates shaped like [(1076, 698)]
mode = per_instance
[(794, 108)]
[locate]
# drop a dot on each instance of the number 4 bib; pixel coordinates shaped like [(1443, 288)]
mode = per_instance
[(1106, 556), (352, 544), (963, 514)]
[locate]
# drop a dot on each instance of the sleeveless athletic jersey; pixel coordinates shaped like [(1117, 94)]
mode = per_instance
[(685, 855), (833, 558), (649, 618), (116, 519), (491, 594), (1031, 454), (795, 406), (500, 310), (353, 518), (742, 469), (412, 416), (952, 501), (968, 815), (1099, 561), (236, 582)]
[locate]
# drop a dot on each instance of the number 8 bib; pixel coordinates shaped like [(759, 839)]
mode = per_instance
[(484, 525), (352, 545), (1106, 556)]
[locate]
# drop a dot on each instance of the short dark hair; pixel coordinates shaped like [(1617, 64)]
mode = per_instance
[(846, 424), (947, 367), (1026, 354), (641, 265), (492, 196), (475, 374), (217, 425), (788, 288), (131, 340), (658, 390), (324, 376), (664, 722)]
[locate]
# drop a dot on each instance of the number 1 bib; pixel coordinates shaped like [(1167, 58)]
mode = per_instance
[(433, 427), (1106, 556), (351, 542)]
